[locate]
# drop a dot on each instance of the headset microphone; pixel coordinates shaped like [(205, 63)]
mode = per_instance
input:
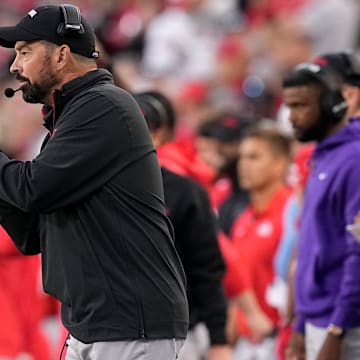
[(9, 92)]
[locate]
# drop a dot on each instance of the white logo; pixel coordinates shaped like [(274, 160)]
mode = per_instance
[(265, 229), (314, 68), (32, 13), (322, 176)]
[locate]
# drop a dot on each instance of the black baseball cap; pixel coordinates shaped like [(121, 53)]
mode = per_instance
[(48, 23), (346, 64), (226, 127)]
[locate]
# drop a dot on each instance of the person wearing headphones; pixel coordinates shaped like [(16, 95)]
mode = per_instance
[(92, 202), (327, 290), (188, 206)]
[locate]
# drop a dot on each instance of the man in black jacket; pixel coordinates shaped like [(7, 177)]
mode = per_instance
[(196, 241), (92, 201)]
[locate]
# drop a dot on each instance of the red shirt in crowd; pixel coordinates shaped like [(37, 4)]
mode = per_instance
[(20, 303), (256, 237), (181, 158)]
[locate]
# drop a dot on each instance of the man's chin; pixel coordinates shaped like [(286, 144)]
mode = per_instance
[(300, 136), (30, 98)]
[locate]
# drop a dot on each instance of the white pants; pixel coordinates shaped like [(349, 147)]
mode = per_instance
[(167, 349), (315, 337), (246, 350)]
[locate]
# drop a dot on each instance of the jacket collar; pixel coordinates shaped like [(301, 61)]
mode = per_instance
[(70, 90)]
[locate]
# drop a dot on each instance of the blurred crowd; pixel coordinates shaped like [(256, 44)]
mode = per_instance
[(221, 64)]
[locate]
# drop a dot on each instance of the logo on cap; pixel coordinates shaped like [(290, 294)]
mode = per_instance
[(32, 13), (95, 54), (314, 68), (321, 61)]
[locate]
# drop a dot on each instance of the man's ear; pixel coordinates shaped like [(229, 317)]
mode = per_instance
[(351, 95), (62, 55)]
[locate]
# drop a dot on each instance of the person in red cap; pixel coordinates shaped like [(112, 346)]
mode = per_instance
[(179, 153), (217, 144)]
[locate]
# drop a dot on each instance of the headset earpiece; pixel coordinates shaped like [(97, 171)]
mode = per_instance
[(333, 106), (72, 22)]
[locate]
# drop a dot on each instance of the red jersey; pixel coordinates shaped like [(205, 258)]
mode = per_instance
[(234, 281), (256, 237), (20, 306)]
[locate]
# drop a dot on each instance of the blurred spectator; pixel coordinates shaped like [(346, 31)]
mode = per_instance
[(241, 77), (180, 43), (180, 155), (230, 70), (21, 336), (240, 296), (217, 143), (263, 235), (286, 45), (312, 24), (298, 38), (192, 105), (189, 209)]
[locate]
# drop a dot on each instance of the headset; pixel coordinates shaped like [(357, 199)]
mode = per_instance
[(332, 104), (157, 109), (71, 27), (153, 110)]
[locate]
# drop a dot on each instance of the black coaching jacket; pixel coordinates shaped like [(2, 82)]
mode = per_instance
[(92, 203), (189, 209)]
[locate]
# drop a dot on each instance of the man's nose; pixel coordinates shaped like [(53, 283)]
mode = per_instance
[(15, 66)]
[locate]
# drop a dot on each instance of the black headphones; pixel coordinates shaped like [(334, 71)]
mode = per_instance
[(332, 104), (71, 27), (153, 110)]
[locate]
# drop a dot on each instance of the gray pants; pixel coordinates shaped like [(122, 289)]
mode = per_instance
[(315, 337), (167, 349), (196, 345)]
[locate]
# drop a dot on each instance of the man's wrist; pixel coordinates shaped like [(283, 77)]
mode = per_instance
[(335, 330)]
